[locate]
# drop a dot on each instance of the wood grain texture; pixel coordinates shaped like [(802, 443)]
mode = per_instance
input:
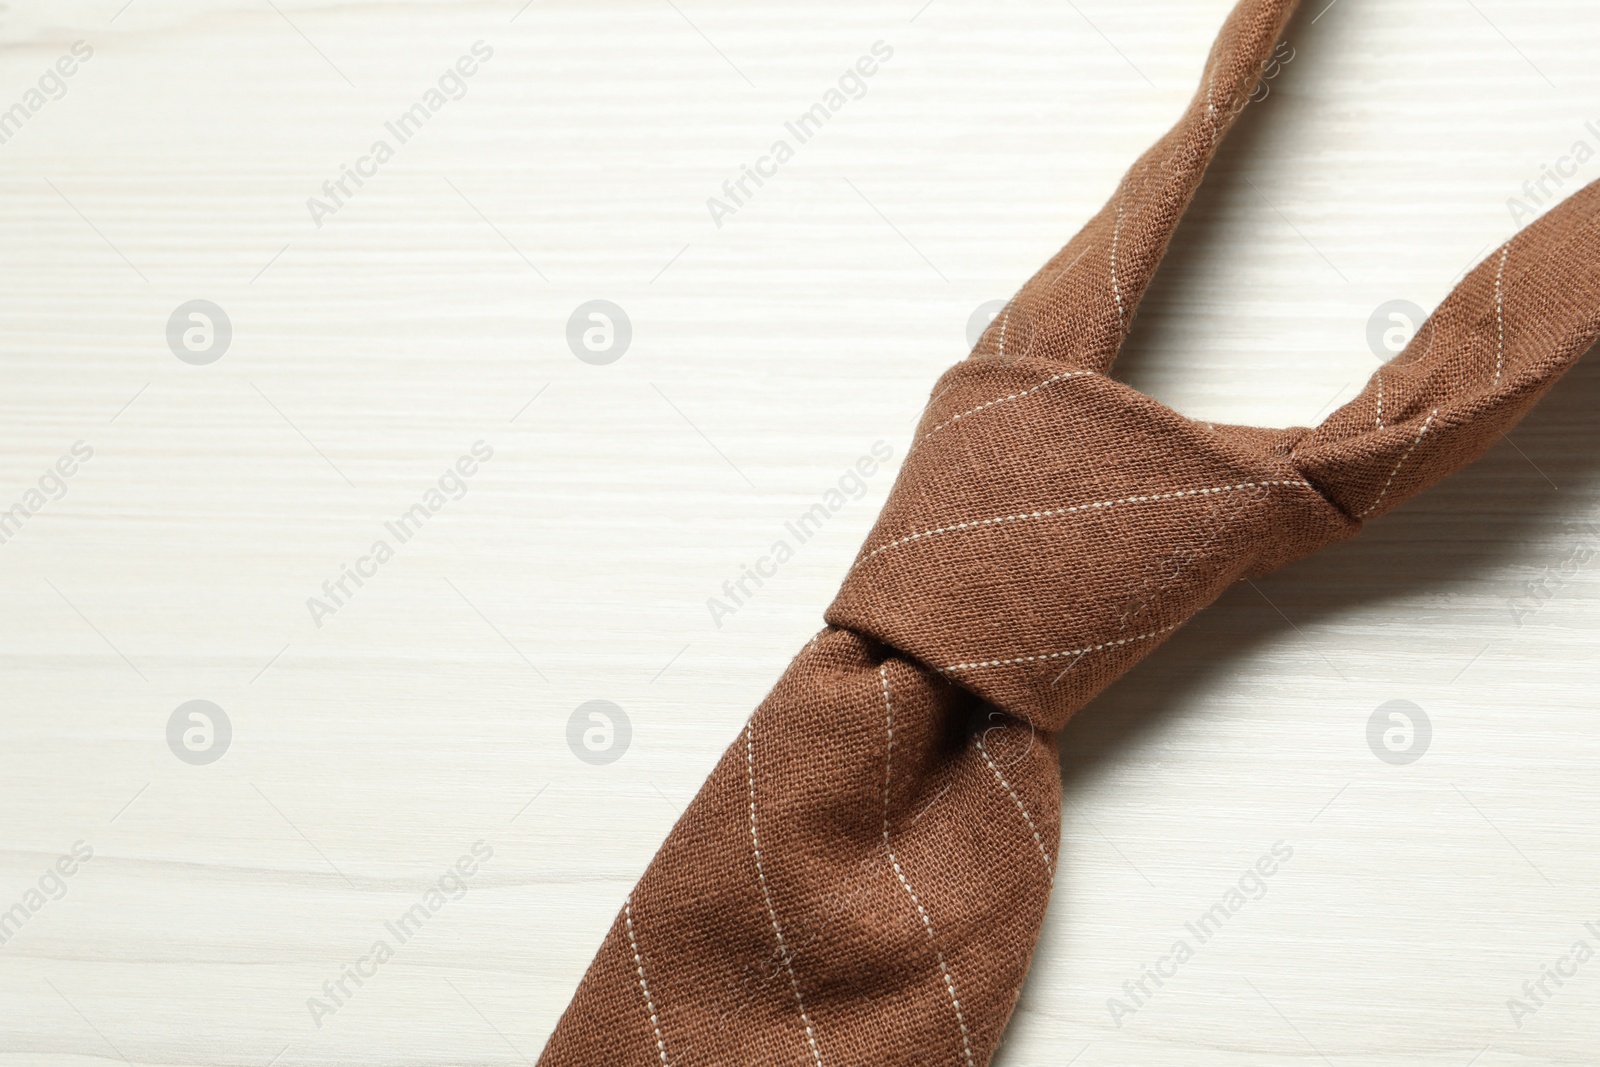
[(429, 312)]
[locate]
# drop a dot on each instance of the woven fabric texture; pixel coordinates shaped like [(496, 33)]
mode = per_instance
[(863, 878)]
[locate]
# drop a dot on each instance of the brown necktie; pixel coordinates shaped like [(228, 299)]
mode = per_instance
[(863, 878)]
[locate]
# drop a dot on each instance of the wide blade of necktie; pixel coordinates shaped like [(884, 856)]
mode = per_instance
[(863, 878)]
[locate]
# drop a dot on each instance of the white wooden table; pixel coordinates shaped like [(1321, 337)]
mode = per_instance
[(376, 740)]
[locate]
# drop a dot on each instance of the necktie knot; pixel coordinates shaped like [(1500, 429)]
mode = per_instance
[(1050, 527)]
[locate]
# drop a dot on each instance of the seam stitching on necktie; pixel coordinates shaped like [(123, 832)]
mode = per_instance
[(1211, 107), (1379, 379), (1116, 289), (1058, 655), (927, 923), (766, 895), (638, 964), (1500, 313), (1401, 463), (1014, 396), (1098, 505), (1049, 864)]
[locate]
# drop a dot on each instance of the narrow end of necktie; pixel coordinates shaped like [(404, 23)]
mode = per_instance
[(1501, 339)]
